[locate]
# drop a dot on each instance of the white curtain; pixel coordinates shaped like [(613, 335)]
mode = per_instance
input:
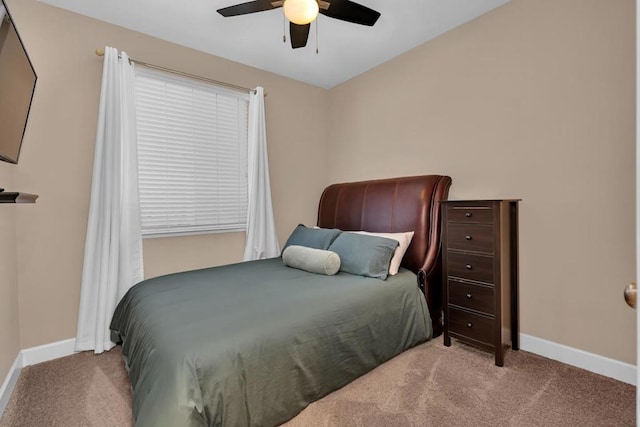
[(262, 240), (113, 246)]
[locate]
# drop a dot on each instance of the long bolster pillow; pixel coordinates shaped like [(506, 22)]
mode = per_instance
[(312, 260)]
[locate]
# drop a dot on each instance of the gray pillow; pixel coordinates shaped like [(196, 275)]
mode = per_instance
[(364, 255), (317, 238), (312, 260)]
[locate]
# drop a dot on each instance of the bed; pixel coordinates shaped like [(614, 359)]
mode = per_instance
[(254, 343)]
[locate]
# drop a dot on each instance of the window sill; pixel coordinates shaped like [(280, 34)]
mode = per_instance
[(191, 233)]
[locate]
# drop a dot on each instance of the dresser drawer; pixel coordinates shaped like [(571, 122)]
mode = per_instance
[(474, 326), (470, 237), (472, 267), (470, 214), (475, 297)]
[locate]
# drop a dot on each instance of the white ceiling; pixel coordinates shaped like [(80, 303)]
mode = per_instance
[(346, 49)]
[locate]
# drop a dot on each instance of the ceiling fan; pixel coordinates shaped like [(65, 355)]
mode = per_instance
[(302, 12)]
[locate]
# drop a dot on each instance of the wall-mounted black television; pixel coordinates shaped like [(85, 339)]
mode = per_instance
[(17, 84)]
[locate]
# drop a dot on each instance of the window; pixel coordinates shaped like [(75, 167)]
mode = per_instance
[(192, 155)]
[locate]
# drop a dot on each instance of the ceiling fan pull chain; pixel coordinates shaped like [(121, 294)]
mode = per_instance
[(317, 35), (284, 30)]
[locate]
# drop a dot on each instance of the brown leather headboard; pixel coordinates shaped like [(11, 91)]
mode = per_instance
[(395, 205)]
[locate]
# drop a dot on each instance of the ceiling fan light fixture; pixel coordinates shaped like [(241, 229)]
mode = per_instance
[(301, 12)]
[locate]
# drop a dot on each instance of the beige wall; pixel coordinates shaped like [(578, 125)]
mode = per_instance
[(9, 324), (535, 100), (57, 159)]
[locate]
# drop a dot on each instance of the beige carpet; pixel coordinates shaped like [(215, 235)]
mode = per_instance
[(430, 385)]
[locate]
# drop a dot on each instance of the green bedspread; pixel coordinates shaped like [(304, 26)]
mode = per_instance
[(254, 343)]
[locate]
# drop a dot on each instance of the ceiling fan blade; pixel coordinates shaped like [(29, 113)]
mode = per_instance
[(346, 10), (298, 34), (245, 8)]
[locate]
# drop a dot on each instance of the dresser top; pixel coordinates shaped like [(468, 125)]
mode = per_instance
[(480, 200)]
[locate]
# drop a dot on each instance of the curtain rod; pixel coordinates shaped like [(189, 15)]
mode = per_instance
[(100, 52)]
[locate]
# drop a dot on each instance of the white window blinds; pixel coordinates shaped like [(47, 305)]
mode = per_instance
[(192, 155)]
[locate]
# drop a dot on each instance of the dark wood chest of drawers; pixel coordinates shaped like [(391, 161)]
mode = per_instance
[(480, 266)]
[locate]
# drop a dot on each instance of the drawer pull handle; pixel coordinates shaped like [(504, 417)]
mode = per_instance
[(468, 266), (468, 214), (468, 296), (469, 325), (468, 237)]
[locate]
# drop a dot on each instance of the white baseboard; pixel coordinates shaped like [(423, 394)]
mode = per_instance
[(612, 368), (10, 382), (44, 353)]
